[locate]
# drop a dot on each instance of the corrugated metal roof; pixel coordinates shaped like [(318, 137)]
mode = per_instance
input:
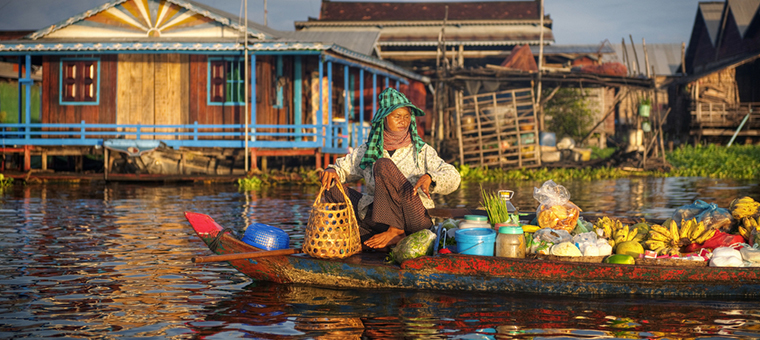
[(666, 58), (358, 41), (574, 49), (712, 13), (743, 11), (420, 11), (507, 35)]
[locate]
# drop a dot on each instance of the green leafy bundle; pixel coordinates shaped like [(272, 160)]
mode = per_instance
[(495, 207)]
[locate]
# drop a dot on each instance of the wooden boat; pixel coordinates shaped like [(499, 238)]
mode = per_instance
[(483, 273)]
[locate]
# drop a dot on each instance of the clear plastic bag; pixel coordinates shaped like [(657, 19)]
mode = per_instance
[(552, 235), (716, 218), (555, 209), (413, 246), (690, 211)]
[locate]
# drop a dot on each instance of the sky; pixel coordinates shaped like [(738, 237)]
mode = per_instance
[(575, 21)]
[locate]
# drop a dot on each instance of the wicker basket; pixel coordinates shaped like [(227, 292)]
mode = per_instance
[(332, 231)]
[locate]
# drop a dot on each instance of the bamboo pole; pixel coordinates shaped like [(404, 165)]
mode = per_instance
[(458, 105), (646, 56), (627, 59), (540, 122), (635, 55)]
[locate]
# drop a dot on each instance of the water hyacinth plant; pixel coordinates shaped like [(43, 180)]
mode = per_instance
[(5, 182)]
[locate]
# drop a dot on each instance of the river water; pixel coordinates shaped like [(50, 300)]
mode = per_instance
[(113, 261)]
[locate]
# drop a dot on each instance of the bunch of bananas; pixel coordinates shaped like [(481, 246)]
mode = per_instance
[(668, 238), (743, 207), (623, 234), (605, 228), (616, 232), (747, 225)]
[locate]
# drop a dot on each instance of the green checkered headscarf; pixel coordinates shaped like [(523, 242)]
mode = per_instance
[(390, 99)]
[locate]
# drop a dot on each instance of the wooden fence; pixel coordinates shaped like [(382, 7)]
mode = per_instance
[(498, 129)]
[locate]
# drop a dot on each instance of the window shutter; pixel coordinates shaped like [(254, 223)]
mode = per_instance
[(69, 81), (217, 81), (89, 76)]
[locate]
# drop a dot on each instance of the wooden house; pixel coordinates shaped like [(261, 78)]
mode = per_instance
[(174, 72), (722, 69), (411, 32)]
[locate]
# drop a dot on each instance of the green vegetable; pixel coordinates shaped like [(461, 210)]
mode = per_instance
[(620, 259), (496, 208), (414, 246)]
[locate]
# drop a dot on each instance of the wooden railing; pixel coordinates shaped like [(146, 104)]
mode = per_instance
[(723, 115)]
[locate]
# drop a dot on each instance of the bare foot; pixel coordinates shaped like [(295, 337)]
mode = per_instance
[(386, 238)]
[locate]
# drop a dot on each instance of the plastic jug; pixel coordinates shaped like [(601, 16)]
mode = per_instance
[(510, 242)]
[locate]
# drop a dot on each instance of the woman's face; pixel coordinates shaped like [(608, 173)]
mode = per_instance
[(399, 119)]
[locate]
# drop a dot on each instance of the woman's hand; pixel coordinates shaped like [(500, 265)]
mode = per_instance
[(386, 238), (424, 183), (327, 177)]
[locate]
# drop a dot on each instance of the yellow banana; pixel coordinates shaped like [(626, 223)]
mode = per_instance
[(697, 231), (743, 207), (686, 228), (654, 245), (632, 232), (673, 229), (658, 236), (660, 229), (744, 231), (705, 236)]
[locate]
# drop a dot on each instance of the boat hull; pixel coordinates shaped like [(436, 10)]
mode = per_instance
[(485, 273)]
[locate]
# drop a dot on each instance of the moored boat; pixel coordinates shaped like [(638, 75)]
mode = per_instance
[(482, 273)]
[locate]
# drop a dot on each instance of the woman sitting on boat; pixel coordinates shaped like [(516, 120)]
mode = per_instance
[(400, 172)]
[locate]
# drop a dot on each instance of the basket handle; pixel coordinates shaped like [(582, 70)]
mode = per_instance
[(342, 191), (349, 204)]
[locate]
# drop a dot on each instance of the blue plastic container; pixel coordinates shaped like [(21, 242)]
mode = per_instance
[(547, 139), (475, 241), (266, 237)]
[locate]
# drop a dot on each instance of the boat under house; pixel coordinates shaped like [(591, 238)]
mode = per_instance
[(160, 87)]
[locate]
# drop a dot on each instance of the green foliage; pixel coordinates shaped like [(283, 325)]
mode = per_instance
[(250, 183), (495, 207), (597, 153), (737, 162), (570, 115), (543, 174), (5, 182)]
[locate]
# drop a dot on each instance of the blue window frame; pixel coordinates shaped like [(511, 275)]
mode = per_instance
[(79, 81), (226, 83)]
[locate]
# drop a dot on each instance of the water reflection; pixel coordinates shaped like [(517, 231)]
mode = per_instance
[(113, 261), (328, 313)]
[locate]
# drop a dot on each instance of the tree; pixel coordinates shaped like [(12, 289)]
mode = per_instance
[(570, 116)]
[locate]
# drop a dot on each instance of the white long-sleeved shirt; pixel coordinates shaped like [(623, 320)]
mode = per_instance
[(445, 176)]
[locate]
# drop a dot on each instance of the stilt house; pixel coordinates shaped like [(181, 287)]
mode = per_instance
[(212, 90)]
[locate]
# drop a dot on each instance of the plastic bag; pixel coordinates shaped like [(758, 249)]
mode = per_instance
[(582, 227), (552, 235), (721, 239), (716, 218), (555, 209), (726, 257), (750, 254), (413, 246), (690, 211)]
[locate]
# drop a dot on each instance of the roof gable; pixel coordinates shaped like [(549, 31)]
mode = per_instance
[(146, 19), (423, 11), (743, 11), (712, 13)]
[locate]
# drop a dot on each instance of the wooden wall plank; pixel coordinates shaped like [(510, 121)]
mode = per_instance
[(146, 88)]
